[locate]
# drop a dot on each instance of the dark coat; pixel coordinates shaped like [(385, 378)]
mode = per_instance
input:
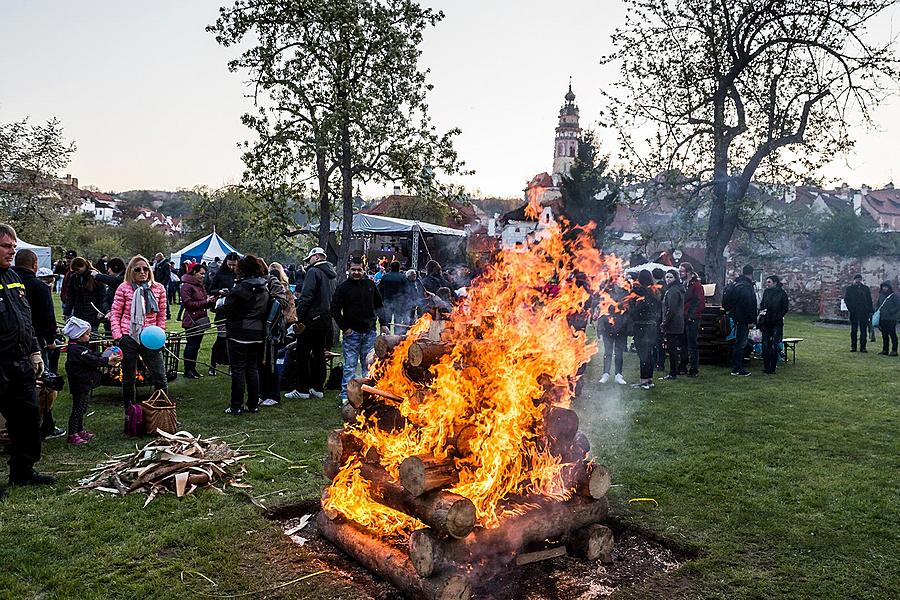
[(17, 339), (222, 280), (858, 298), (83, 295), (314, 301), (162, 273), (246, 309), (673, 309), (645, 307), (356, 304), (83, 367), (394, 288), (739, 301), (433, 283), (43, 315), (112, 283), (775, 303), (616, 319), (888, 304), (194, 299)]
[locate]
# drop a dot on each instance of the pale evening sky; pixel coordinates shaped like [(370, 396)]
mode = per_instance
[(145, 92)]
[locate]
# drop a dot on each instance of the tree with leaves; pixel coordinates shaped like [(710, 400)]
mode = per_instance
[(340, 99), (590, 193), (730, 90), (32, 198), (846, 233)]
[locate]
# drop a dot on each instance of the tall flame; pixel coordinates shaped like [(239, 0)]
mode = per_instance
[(510, 341)]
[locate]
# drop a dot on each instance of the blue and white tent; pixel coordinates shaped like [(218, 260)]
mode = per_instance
[(204, 249)]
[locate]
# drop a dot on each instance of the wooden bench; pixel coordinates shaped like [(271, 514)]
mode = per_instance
[(790, 345)]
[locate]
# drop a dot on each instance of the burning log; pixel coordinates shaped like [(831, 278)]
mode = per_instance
[(589, 479), (391, 563), (424, 472), (445, 512), (349, 413), (571, 452), (330, 468), (430, 554), (355, 395), (592, 542), (341, 445), (463, 442), (368, 389), (560, 423), (425, 353), (385, 344), (387, 418)]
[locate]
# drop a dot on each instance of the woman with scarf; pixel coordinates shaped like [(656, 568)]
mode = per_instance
[(195, 303), (139, 303)]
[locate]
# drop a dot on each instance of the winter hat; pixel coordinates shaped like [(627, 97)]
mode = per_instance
[(75, 328), (645, 278)]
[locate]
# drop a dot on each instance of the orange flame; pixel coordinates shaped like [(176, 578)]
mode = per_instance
[(509, 340)]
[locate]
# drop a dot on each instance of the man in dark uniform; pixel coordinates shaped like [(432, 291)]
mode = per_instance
[(858, 298), (20, 364)]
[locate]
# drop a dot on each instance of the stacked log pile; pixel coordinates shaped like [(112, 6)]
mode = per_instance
[(452, 553)]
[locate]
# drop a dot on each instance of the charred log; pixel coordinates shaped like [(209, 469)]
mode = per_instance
[(391, 563), (425, 353), (424, 472), (385, 344), (592, 543)]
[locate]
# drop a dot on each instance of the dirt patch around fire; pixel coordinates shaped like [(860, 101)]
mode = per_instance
[(643, 563)]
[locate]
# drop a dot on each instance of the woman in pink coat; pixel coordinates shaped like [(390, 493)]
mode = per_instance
[(139, 302)]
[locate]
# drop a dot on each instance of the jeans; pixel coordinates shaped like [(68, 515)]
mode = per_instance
[(614, 345), (395, 312), (659, 352), (18, 405), (859, 325), (244, 359), (356, 347), (888, 333), (771, 343), (690, 347), (153, 363), (191, 350), (311, 359), (673, 349), (645, 339), (741, 331)]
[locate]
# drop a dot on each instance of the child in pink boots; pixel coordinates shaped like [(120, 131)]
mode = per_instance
[(83, 368)]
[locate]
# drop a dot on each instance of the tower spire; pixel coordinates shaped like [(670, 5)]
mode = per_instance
[(568, 133)]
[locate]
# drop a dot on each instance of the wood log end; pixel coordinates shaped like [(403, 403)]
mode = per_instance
[(424, 548), (599, 481), (593, 542), (461, 518)]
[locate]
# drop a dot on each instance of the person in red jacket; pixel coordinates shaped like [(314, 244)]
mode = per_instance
[(694, 303)]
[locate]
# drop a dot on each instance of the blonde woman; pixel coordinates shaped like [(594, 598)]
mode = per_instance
[(139, 303), (269, 380)]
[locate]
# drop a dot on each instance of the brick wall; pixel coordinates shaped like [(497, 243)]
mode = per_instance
[(815, 284)]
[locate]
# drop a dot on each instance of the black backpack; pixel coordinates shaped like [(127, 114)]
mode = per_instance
[(276, 327)]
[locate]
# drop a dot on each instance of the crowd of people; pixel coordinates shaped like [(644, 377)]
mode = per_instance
[(273, 326)]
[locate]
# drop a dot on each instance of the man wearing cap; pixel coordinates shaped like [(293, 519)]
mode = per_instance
[(20, 364), (43, 318), (313, 325), (858, 299)]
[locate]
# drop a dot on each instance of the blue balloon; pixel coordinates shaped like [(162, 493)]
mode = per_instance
[(153, 338)]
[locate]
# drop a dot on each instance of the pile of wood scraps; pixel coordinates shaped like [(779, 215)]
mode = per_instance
[(179, 463)]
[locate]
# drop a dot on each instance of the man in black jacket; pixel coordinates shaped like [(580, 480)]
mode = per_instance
[(355, 307), (20, 364), (313, 325), (43, 318), (858, 299), (739, 301), (112, 278)]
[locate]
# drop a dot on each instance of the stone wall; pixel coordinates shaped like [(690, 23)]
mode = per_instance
[(815, 284)]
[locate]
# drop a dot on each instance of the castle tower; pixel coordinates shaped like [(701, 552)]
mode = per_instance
[(568, 132)]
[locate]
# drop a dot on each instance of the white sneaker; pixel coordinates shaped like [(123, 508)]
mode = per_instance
[(269, 402), (316, 394), (605, 378), (619, 379), (295, 394)]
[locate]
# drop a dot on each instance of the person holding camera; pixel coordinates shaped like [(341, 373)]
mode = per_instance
[(20, 365)]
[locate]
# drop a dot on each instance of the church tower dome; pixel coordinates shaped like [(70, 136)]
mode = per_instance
[(568, 133)]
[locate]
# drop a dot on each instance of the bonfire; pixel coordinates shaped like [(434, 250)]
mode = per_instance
[(460, 455)]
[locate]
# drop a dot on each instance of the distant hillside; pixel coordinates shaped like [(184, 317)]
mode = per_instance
[(490, 206), (173, 204)]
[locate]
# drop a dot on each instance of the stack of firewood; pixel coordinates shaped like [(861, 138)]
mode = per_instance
[(446, 559), (179, 463)]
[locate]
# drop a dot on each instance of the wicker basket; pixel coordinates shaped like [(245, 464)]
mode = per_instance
[(159, 413)]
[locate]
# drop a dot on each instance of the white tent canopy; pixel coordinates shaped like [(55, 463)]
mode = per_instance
[(207, 249), (378, 225), (43, 253), (649, 267)]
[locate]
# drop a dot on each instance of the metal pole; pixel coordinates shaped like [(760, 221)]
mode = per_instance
[(416, 231)]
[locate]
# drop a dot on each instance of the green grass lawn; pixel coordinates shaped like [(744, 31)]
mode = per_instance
[(786, 487)]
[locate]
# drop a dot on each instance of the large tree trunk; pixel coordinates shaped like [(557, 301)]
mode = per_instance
[(324, 200), (346, 202)]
